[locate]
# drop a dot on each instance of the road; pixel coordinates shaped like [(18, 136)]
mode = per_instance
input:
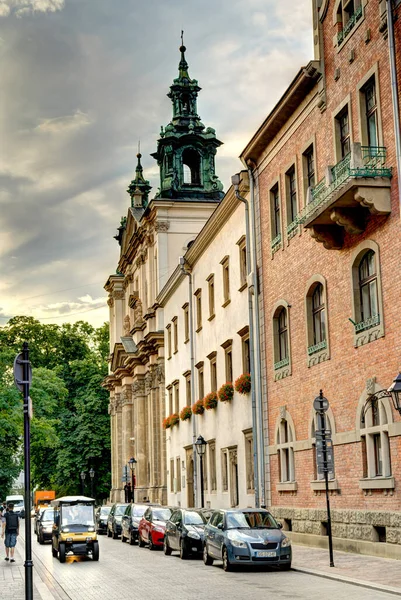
[(127, 572)]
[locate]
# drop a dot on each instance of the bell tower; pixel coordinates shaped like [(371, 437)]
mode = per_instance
[(186, 149)]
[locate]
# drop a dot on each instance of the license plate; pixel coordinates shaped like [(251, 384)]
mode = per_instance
[(265, 554)]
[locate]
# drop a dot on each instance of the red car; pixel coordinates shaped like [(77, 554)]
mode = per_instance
[(152, 526)]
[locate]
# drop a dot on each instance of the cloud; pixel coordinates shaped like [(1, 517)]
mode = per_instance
[(83, 304), (25, 7), (64, 124)]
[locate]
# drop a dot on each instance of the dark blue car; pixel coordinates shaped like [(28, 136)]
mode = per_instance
[(249, 536)]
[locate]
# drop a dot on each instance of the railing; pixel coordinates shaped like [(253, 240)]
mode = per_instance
[(281, 363), (372, 165), (292, 227), (367, 324), (275, 245), (350, 24), (317, 347)]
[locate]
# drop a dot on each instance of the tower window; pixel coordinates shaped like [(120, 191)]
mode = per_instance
[(191, 167)]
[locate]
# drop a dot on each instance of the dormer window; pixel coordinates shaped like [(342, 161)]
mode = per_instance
[(191, 167)]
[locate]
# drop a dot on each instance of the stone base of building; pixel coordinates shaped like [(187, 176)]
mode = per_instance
[(155, 494), (375, 533)]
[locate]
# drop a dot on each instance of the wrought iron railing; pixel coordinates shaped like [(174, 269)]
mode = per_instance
[(350, 24), (317, 347), (373, 165), (368, 323), (281, 363), (276, 242)]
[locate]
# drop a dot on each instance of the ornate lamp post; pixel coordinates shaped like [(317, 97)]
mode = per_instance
[(132, 463), (393, 392), (83, 475), (92, 476), (200, 446)]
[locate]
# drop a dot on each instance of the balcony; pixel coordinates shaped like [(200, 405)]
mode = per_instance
[(354, 190), (349, 26)]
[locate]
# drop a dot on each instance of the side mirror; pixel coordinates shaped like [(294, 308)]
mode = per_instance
[(280, 525), (220, 526)]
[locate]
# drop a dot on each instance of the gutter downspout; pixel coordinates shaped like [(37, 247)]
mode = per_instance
[(236, 180), (258, 357), (394, 94), (183, 263)]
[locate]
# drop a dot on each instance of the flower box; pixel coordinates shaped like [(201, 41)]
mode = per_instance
[(242, 385), (226, 392), (166, 423), (186, 413), (174, 419), (210, 401), (198, 408)]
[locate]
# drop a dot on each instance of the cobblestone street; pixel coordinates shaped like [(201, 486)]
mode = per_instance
[(125, 572)]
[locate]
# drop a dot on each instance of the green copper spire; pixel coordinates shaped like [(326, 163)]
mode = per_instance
[(139, 187), (186, 150)]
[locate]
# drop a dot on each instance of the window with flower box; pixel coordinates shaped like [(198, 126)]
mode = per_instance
[(201, 380), (228, 359), (316, 318), (213, 371)]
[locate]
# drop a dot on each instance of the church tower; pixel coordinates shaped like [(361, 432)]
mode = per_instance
[(186, 149)]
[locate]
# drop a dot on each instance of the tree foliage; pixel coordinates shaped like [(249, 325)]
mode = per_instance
[(70, 429)]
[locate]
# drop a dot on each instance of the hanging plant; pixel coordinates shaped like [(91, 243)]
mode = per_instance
[(210, 401), (174, 419), (198, 408), (226, 392), (166, 422), (243, 384), (186, 413)]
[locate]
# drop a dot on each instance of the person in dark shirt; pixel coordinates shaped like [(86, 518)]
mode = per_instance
[(10, 528)]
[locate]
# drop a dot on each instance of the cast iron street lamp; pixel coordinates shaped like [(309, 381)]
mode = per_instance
[(200, 446), (132, 463), (83, 475), (393, 392), (92, 476)]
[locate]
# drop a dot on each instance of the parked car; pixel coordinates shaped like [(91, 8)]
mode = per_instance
[(130, 522), (246, 536), (101, 515), (45, 525), (114, 519), (38, 514), (152, 526), (185, 532)]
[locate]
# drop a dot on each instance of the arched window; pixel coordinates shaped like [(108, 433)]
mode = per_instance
[(318, 315), (282, 335), (191, 167), (285, 451), (375, 440), (368, 286), (316, 320), (281, 340)]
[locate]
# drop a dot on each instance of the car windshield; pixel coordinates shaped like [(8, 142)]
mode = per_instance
[(194, 518), (48, 515), (77, 514), (105, 510), (17, 503), (161, 514), (139, 511), (252, 520), (120, 510)]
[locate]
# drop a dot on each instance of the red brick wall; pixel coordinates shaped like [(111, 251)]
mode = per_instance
[(343, 377)]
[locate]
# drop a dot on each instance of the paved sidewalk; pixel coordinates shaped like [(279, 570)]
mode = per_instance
[(367, 571), (12, 578)]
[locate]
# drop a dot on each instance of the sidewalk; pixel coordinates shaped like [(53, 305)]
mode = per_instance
[(12, 578), (367, 571)]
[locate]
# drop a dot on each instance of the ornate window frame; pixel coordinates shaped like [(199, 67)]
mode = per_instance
[(285, 451), (281, 370), (315, 355)]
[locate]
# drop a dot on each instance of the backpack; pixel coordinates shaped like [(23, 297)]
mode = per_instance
[(11, 522)]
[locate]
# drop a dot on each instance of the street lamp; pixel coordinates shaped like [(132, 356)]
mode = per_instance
[(92, 476), (393, 392), (200, 446), (132, 463), (83, 475)]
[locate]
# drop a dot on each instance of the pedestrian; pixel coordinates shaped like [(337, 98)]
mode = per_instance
[(10, 527)]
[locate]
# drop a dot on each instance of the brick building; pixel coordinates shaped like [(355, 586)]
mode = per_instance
[(325, 169)]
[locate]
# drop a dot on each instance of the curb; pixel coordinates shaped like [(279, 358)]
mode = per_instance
[(358, 582)]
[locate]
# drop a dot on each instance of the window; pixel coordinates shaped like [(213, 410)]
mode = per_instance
[(281, 341), (210, 281), (198, 300), (188, 390), (369, 92), (246, 359), (204, 469), (170, 399), (285, 452), (348, 14), (226, 280), (168, 340), (250, 482), (175, 330), (191, 167), (213, 371), (178, 474), (275, 217), (243, 269), (212, 465), (343, 132), (172, 487), (368, 286), (228, 359), (308, 162), (185, 308), (282, 331), (291, 191), (224, 470), (176, 387), (201, 381), (316, 317), (374, 431)]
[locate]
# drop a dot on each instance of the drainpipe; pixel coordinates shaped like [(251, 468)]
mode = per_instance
[(258, 354), (235, 179), (185, 269), (394, 94)]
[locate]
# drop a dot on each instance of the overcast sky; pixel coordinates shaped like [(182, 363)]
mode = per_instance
[(81, 81)]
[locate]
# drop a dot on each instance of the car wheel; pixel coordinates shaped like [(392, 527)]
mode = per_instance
[(141, 543), (208, 560), (41, 540), (285, 567), (227, 566), (108, 532), (183, 552), (115, 535), (61, 553), (166, 548), (131, 540), (151, 544), (95, 553)]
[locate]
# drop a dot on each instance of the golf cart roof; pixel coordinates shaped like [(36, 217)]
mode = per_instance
[(71, 500)]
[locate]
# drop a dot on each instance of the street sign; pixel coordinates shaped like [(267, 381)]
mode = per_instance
[(320, 404), (19, 372), (319, 434)]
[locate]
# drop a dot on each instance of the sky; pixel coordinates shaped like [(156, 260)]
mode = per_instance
[(81, 82)]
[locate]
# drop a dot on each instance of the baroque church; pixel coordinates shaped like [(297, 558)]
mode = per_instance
[(152, 237)]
